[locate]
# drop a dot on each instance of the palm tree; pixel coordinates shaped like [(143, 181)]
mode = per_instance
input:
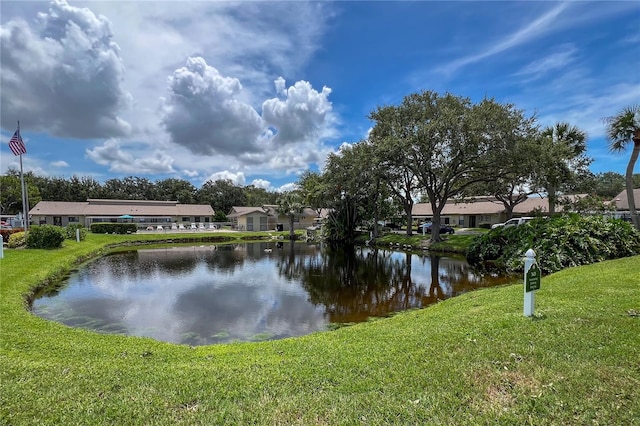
[(563, 147), (623, 129), (290, 204)]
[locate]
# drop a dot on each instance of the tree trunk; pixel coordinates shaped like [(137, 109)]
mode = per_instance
[(435, 224), (629, 182), (553, 199), (408, 207), (292, 235)]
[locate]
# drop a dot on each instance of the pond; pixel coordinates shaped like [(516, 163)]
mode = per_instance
[(201, 295)]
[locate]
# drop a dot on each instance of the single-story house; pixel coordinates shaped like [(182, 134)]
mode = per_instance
[(488, 210), (141, 212), (266, 218), (479, 211), (621, 203)]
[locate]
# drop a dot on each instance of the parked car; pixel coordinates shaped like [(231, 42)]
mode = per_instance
[(512, 222), (444, 229)]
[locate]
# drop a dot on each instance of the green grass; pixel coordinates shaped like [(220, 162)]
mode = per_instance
[(473, 359), (455, 243)]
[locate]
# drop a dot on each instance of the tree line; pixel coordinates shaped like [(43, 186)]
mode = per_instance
[(438, 147), (220, 194)]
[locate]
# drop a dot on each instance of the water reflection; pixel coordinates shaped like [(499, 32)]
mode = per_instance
[(201, 295)]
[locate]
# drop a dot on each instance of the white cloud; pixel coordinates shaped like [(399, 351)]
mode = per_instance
[(63, 75), (287, 187), (203, 112), (60, 163), (301, 115), (261, 183), (558, 60), (523, 35), (237, 178), (111, 154)]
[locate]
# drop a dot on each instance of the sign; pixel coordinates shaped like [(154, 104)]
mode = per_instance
[(532, 279)]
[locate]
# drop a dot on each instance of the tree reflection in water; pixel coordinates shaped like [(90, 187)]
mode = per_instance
[(356, 283)]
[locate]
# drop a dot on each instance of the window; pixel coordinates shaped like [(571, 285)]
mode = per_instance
[(446, 220), (186, 219), (461, 220), (73, 219), (197, 219)]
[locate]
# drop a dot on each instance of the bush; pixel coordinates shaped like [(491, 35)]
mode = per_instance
[(70, 231), (561, 242), (45, 236), (114, 228), (17, 239), (6, 233)]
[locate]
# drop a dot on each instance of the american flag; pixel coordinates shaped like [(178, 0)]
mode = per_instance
[(16, 144)]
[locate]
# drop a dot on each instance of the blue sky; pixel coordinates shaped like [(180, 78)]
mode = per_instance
[(258, 92)]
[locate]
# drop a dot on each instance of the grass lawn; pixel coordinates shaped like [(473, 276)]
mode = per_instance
[(473, 359)]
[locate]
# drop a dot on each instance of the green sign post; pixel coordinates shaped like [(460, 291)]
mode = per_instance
[(532, 278)]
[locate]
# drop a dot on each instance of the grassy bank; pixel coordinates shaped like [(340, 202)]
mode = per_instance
[(456, 243), (473, 359)]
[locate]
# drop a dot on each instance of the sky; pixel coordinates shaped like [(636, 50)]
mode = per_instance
[(260, 91)]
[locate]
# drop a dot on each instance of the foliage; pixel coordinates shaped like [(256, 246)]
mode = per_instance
[(562, 160), (314, 191), (586, 204), (113, 228), (605, 185), (176, 189), (290, 204), (6, 233), (11, 194), (449, 143), (355, 189), (70, 231), (342, 222), (17, 239), (560, 242), (221, 195), (257, 197), (220, 216), (624, 129), (45, 237)]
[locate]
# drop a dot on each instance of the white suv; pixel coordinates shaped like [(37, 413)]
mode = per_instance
[(512, 222)]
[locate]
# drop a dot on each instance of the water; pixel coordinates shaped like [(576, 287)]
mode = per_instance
[(200, 295)]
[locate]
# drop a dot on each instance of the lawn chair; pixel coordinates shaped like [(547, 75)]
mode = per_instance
[(193, 226), (212, 226), (181, 227), (174, 227), (201, 226)]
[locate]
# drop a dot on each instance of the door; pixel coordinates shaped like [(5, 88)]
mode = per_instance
[(472, 221)]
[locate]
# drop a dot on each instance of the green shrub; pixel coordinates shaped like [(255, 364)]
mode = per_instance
[(114, 228), (560, 242), (17, 239), (45, 236), (70, 231), (6, 233)]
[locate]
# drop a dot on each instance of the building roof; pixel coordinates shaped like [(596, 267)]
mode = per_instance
[(269, 210), (621, 201), (237, 211), (483, 206), (105, 208)]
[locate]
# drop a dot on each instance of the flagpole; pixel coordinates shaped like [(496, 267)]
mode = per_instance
[(25, 216)]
